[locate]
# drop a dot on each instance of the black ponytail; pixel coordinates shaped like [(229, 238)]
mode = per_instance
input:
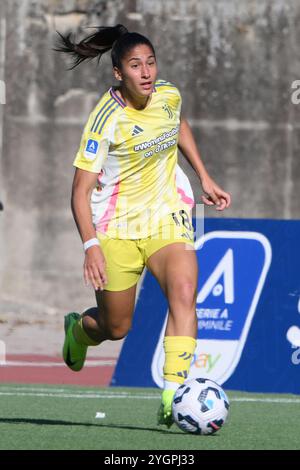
[(117, 38), (92, 46)]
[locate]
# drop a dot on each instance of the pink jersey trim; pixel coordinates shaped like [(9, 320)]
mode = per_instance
[(106, 218), (187, 200)]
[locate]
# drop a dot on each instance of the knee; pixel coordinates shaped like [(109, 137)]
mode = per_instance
[(101, 328), (119, 331), (183, 293)]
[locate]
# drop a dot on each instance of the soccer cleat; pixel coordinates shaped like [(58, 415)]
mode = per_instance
[(74, 354), (165, 415)]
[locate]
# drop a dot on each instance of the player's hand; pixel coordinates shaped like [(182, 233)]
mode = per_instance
[(94, 268), (214, 195)]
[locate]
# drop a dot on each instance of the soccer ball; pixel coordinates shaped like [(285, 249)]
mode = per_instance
[(200, 406)]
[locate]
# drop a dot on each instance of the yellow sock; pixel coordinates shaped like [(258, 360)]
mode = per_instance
[(81, 336), (179, 352)]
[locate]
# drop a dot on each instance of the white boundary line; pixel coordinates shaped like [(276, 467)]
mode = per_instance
[(266, 400), (64, 393), (80, 395), (89, 363)]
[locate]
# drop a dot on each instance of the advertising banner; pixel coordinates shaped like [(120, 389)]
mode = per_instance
[(248, 311)]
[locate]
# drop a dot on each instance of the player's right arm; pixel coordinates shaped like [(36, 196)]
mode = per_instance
[(94, 264)]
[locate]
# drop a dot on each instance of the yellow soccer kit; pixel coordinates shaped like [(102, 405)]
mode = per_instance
[(140, 185)]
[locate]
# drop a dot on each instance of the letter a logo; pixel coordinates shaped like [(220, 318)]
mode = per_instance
[(223, 269), (91, 149)]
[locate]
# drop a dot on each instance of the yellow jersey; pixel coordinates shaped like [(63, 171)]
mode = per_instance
[(134, 152)]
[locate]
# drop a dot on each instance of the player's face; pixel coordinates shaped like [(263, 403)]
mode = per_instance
[(139, 71)]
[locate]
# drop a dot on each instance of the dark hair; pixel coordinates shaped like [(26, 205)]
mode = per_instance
[(117, 38)]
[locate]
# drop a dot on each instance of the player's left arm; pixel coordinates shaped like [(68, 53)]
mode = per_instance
[(213, 194)]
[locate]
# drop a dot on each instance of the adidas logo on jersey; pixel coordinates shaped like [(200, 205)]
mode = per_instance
[(137, 130)]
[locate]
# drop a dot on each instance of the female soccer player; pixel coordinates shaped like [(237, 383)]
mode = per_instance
[(131, 203)]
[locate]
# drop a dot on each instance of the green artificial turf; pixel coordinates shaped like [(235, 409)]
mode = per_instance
[(48, 417)]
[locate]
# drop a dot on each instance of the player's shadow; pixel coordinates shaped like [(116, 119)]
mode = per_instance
[(54, 422)]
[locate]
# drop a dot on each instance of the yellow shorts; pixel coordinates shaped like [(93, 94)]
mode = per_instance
[(126, 258)]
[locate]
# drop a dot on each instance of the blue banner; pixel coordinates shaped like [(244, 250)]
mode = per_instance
[(248, 311)]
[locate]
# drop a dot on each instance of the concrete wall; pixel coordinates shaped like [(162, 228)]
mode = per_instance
[(234, 62)]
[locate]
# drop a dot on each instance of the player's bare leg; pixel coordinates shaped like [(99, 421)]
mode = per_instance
[(113, 316), (176, 270), (111, 319)]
